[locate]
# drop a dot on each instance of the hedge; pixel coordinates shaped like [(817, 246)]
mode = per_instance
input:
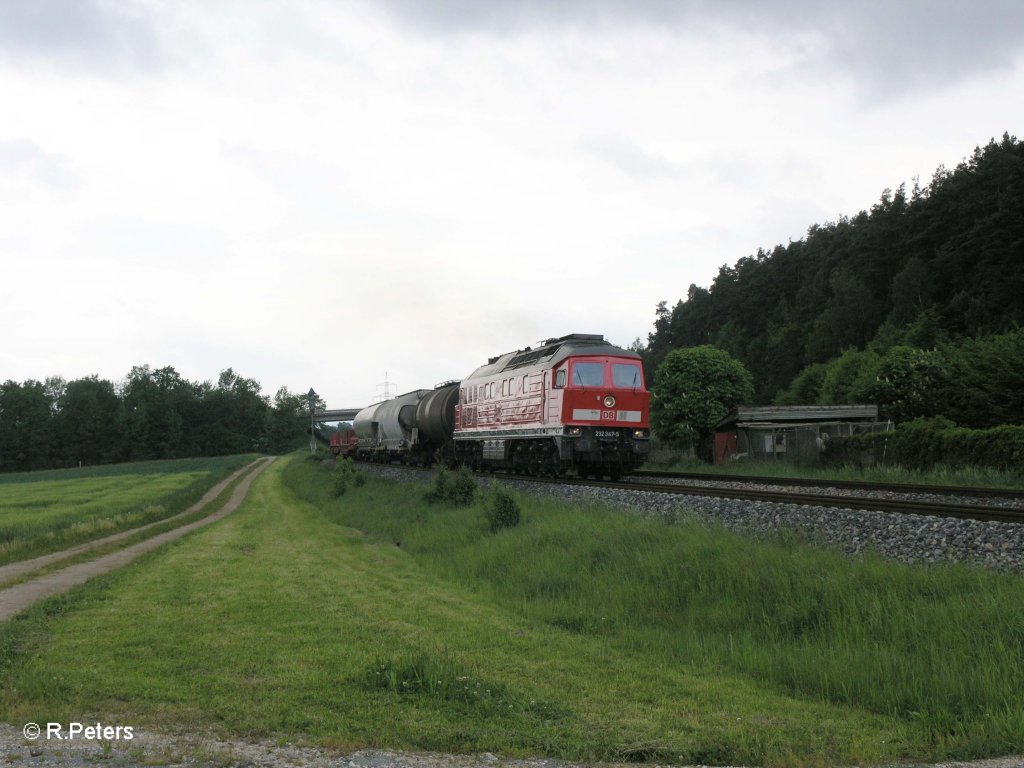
[(923, 443)]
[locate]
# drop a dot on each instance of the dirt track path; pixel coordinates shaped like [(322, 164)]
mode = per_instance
[(16, 599)]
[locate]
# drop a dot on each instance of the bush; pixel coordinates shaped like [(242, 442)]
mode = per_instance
[(456, 488), (345, 474), (502, 509)]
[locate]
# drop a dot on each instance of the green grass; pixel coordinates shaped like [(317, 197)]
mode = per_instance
[(153, 529), (48, 511), (278, 622), (583, 634), (940, 649), (979, 477)]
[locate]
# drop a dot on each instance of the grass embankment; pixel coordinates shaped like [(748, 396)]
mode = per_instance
[(939, 649), (582, 634), (42, 512), (977, 477)]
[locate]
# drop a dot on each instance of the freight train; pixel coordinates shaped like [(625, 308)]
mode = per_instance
[(572, 404), (344, 443)]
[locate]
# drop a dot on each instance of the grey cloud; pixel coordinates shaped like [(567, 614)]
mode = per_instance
[(91, 34), (896, 46), (26, 158), (888, 46)]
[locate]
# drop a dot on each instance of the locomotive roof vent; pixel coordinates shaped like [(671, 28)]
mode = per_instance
[(529, 356), (596, 338)]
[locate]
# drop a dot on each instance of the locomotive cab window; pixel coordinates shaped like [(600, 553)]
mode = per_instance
[(626, 376), (560, 378), (588, 375)]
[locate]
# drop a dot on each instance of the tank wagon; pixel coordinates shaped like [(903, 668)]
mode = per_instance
[(575, 403), (386, 429)]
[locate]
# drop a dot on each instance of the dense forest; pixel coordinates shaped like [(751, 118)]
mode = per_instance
[(928, 284), (152, 414)]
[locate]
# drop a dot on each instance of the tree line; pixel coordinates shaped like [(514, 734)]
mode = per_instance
[(152, 414), (928, 269)]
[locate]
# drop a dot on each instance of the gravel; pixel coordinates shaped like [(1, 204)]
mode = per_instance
[(149, 749), (823, 490), (903, 537)]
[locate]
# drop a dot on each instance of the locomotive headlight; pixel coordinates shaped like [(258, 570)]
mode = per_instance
[(609, 401), (573, 431), (640, 433)]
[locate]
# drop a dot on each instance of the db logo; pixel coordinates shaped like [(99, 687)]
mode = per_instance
[(607, 415)]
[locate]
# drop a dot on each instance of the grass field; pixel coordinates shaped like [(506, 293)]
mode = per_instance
[(582, 634), (42, 512)]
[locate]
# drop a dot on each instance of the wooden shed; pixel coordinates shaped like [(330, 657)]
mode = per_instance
[(793, 433)]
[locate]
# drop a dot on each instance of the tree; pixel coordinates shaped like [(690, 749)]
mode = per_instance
[(912, 383), (849, 379), (89, 422), (287, 421), (27, 437), (805, 389), (154, 403), (694, 389)]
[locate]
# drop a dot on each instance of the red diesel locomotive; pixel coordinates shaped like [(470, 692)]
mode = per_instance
[(576, 402), (573, 403)]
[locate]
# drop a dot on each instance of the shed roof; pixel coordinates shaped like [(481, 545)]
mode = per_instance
[(790, 414)]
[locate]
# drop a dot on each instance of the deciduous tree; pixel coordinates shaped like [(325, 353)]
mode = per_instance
[(694, 389)]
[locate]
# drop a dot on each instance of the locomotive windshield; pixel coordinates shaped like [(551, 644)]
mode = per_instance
[(588, 374), (592, 374), (626, 376)]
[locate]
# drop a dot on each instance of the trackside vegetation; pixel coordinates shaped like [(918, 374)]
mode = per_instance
[(937, 474), (44, 512), (939, 649), (376, 619)]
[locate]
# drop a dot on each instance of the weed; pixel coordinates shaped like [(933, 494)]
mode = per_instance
[(457, 489), (502, 509), (423, 674), (344, 475), (443, 678)]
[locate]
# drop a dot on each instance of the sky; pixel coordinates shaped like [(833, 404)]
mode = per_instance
[(327, 194)]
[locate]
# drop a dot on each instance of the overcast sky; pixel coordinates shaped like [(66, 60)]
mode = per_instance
[(319, 193)]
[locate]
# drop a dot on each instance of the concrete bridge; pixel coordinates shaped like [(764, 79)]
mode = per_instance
[(336, 414)]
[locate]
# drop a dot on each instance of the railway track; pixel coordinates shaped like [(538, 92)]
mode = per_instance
[(902, 505), (938, 490)]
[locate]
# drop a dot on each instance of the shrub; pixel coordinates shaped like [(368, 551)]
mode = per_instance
[(345, 474), (502, 509), (456, 488)]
